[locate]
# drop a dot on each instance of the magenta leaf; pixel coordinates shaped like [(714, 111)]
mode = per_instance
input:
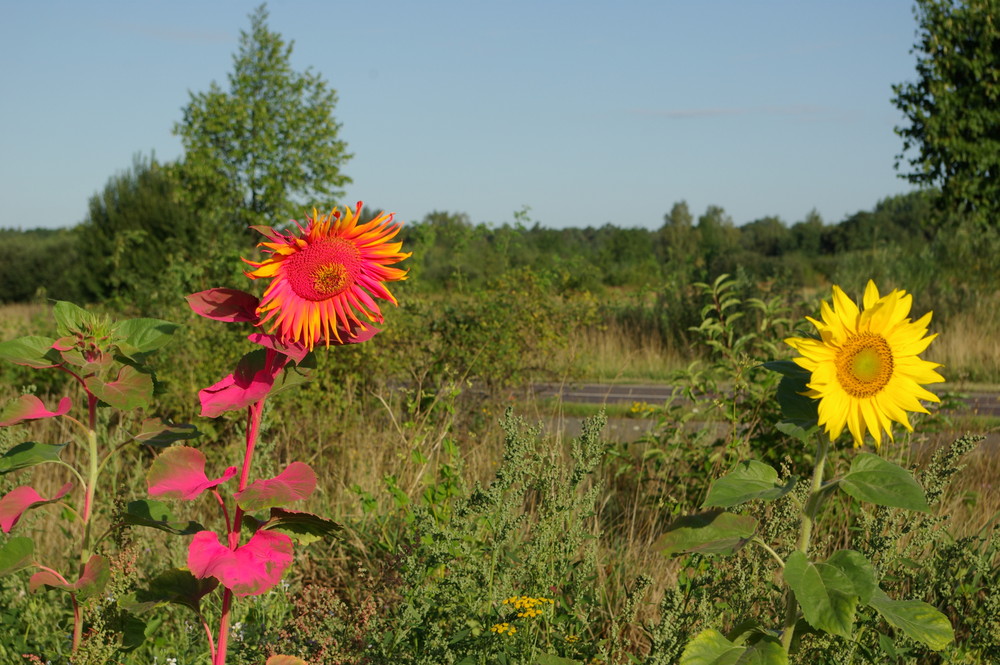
[(297, 481), (130, 390), (29, 407), (251, 382), (229, 305), (295, 351), (249, 570), (154, 432), (22, 499), (179, 473), (96, 573), (31, 351)]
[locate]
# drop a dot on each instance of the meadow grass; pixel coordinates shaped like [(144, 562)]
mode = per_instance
[(397, 462)]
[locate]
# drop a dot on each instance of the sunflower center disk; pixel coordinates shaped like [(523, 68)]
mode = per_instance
[(323, 269), (864, 365)]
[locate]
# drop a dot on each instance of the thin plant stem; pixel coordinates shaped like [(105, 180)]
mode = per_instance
[(253, 424), (805, 536)]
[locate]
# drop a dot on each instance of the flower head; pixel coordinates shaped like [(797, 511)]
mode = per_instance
[(325, 278), (865, 367)]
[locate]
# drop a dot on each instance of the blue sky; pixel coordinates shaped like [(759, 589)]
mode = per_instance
[(587, 112)]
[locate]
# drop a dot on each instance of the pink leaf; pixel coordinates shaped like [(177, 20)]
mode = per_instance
[(296, 482), (95, 576), (251, 382), (29, 407), (179, 473), (248, 570), (228, 305), (21, 499), (295, 351)]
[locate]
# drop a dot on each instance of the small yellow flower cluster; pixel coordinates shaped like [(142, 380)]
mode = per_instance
[(572, 638), (526, 606), (501, 628)]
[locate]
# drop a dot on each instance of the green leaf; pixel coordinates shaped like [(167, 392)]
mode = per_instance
[(155, 432), (130, 390), (796, 407), (294, 374), (176, 585), (858, 570), (883, 483), (711, 532), (796, 431), (144, 335), (551, 659), (30, 351), (70, 318), (750, 480), (710, 647), (305, 528), (28, 454), (17, 553), (133, 632), (919, 620), (155, 514), (824, 592)]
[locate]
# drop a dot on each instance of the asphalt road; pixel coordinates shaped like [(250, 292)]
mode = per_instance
[(597, 393)]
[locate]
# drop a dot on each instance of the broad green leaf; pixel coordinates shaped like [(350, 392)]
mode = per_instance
[(824, 592), (766, 651), (883, 483), (155, 514), (550, 659), (155, 432), (176, 585), (304, 528), (795, 406), (70, 318), (28, 454), (133, 632), (796, 431), (750, 480), (710, 647), (30, 351), (144, 335), (17, 553), (130, 390), (711, 532), (295, 374), (919, 620), (858, 570)]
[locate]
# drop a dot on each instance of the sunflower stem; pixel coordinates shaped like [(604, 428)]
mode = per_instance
[(253, 424), (809, 511)]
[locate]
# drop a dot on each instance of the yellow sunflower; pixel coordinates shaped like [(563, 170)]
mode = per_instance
[(865, 367), (327, 275)]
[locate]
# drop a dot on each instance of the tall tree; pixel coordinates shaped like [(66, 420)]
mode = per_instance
[(954, 105), (269, 145)]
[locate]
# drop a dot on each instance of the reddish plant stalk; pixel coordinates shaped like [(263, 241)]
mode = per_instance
[(253, 424)]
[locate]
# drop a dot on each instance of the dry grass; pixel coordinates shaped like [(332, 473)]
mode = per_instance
[(613, 353)]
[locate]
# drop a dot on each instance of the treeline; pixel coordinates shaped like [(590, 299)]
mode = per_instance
[(140, 240)]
